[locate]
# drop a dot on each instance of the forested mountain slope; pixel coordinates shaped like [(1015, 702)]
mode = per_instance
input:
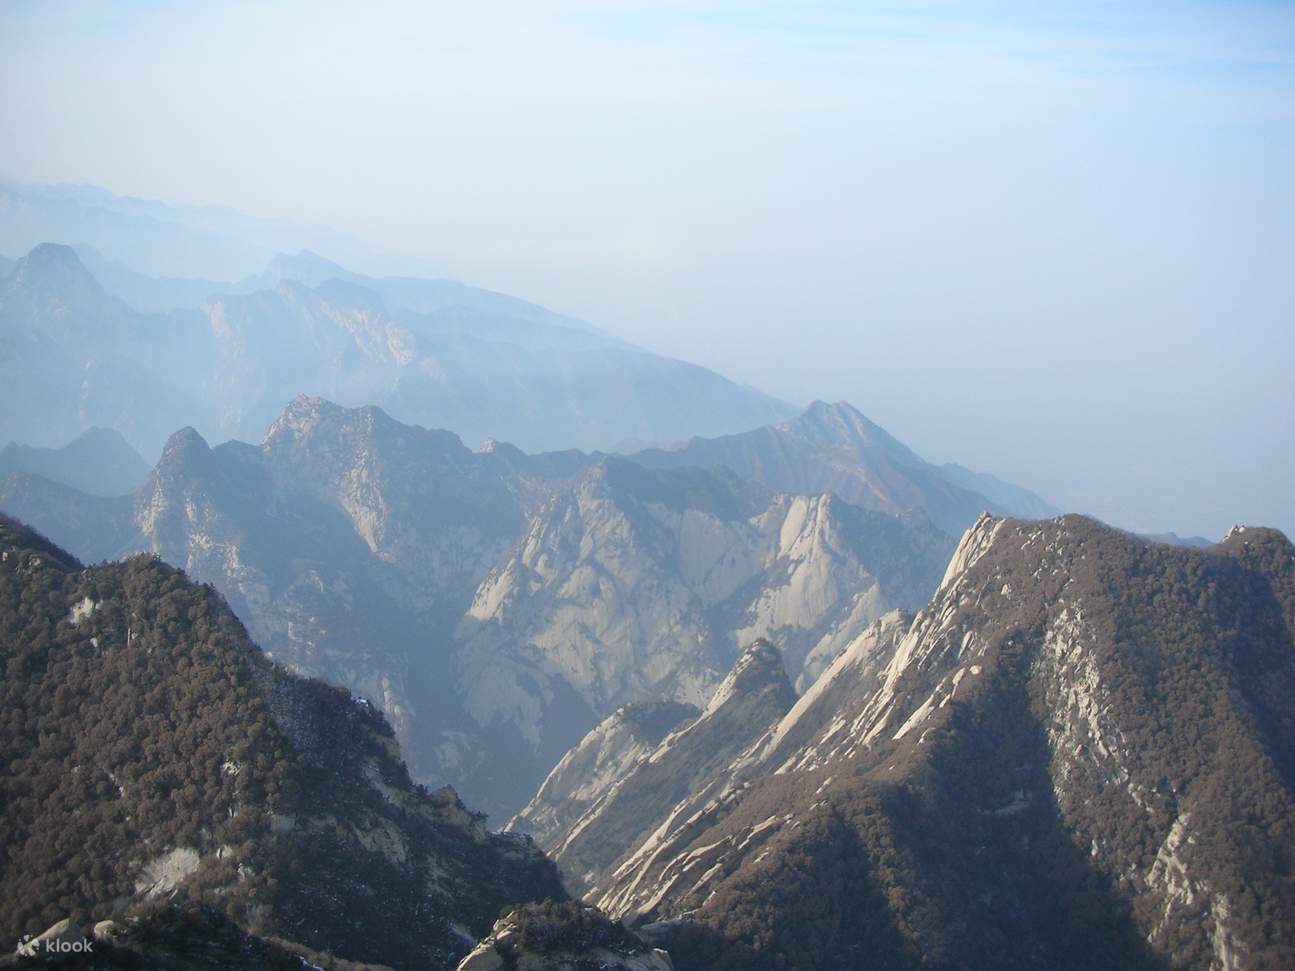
[(1080, 754), (149, 749)]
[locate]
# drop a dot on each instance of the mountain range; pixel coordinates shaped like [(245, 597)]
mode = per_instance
[(159, 240), (738, 694), (834, 448), (497, 605), (432, 352), (1081, 753)]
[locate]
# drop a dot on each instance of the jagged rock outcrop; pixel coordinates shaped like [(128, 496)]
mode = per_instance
[(497, 605), (562, 937), (754, 695), (1080, 754), (834, 448), (636, 584), (603, 757), (151, 753)]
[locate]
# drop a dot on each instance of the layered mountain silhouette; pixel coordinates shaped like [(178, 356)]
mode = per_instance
[(1080, 754), (153, 757), (497, 605), (432, 352), (743, 692), (834, 448), (99, 461), (159, 240)]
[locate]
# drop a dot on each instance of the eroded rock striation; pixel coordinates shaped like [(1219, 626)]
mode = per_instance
[(1079, 754)]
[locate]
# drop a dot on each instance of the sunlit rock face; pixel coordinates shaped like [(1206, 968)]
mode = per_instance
[(1085, 736), (498, 605)]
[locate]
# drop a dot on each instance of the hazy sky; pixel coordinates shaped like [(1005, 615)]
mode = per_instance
[(1051, 241)]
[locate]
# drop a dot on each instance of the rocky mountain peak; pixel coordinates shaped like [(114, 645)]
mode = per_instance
[(97, 437), (303, 411), (840, 413), (1054, 750), (624, 810), (51, 279), (552, 937), (975, 541), (310, 419), (322, 425), (240, 777), (759, 671), (504, 450), (305, 267), (833, 448), (186, 460), (53, 267), (184, 447), (843, 424)]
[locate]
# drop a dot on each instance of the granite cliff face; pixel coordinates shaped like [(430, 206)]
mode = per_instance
[(497, 605), (654, 579), (562, 937), (601, 760), (1079, 754), (625, 812)]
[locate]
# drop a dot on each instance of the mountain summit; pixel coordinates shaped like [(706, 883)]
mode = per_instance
[(52, 268), (834, 448), (98, 461)]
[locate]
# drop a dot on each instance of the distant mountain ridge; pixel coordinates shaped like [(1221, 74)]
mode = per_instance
[(834, 448), (157, 238), (99, 461), (433, 352)]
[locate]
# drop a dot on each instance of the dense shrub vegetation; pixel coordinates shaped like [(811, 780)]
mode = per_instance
[(138, 720)]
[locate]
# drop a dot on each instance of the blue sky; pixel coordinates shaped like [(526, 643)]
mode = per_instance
[(1051, 241)]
